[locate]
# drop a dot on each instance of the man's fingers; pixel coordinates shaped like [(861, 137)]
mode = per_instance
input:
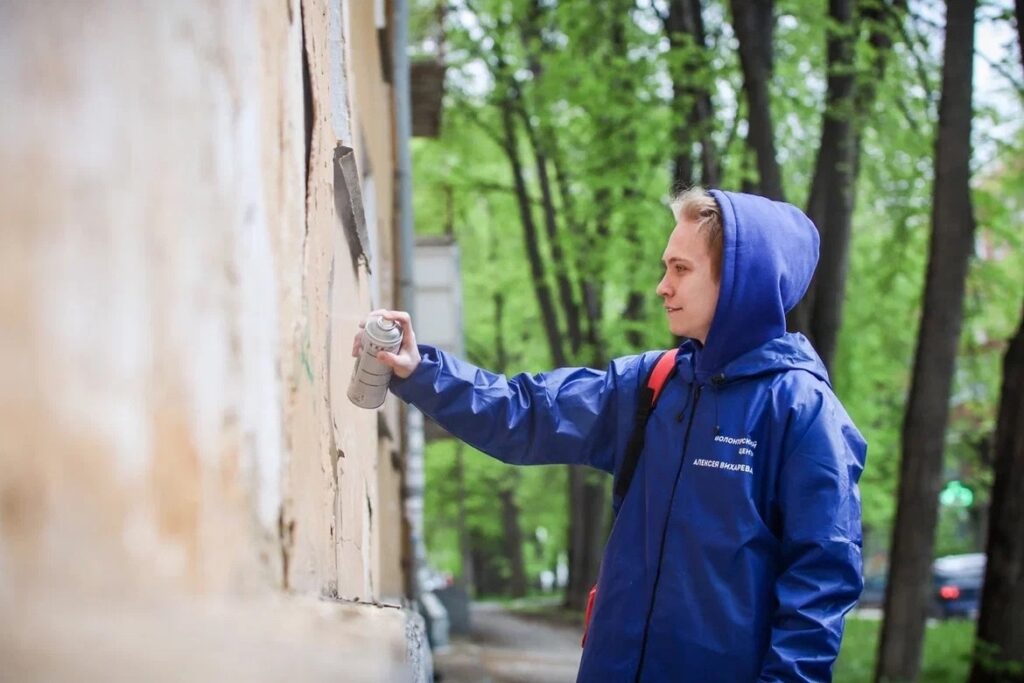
[(388, 359), (400, 317), (403, 319)]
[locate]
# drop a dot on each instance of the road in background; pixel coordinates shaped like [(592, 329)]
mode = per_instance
[(505, 647)]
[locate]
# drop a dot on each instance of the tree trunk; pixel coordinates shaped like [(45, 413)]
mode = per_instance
[(542, 144), (582, 528), (924, 426), (566, 294), (588, 495), (597, 508), (586, 270), (1000, 627), (831, 201), (513, 535), (592, 272), (691, 99), (577, 588), (465, 543), (531, 239), (753, 22), (832, 196), (588, 503), (633, 314), (1019, 11)]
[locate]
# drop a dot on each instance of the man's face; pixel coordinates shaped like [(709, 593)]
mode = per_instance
[(689, 287)]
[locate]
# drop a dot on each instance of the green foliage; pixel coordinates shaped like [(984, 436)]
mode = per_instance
[(539, 490), (947, 651), (988, 657), (589, 86)]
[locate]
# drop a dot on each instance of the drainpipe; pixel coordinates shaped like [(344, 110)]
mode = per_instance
[(413, 437)]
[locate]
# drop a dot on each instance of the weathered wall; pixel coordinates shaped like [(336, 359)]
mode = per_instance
[(178, 296), (372, 126)]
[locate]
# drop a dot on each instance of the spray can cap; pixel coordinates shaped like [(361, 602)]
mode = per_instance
[(386, 324), (383, 331)]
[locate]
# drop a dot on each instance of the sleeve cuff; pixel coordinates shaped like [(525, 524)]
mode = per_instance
[(421, 382)]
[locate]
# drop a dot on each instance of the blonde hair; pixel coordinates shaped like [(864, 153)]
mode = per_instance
[(697, 206)]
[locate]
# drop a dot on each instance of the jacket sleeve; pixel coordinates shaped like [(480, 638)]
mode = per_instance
[(568, 416), (821, 579)]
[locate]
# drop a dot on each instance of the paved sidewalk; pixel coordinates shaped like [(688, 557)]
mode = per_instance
[(507, 648)]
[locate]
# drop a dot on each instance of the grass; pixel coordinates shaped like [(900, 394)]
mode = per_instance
[(947, 648)]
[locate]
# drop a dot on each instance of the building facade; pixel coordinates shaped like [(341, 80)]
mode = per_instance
[(198, 207)]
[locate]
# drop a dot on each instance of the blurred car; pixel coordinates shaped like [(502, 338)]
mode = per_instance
[(956, 583), (956, 587)]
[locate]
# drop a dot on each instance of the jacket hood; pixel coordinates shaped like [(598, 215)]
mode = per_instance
[(769, 253)]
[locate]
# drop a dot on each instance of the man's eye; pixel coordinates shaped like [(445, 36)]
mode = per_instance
[(680, 270)]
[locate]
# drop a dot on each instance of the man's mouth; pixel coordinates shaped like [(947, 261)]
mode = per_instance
[(671, 309)]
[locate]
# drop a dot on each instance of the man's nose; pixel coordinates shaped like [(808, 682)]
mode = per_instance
[(662, 288)]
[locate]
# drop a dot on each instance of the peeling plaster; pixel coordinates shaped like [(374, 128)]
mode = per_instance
[(180, 325), (340, 116)]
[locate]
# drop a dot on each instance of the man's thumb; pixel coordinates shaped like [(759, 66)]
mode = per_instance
[(387, 358)]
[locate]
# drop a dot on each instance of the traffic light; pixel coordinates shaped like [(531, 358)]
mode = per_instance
[(956, 495)]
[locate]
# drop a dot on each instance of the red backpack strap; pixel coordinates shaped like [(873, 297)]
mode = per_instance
[(591, 596), (656, 380), (662, 370)]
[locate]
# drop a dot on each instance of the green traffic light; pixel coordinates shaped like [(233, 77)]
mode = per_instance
[(955, 494)]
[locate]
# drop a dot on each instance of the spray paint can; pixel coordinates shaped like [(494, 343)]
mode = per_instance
[(369, 384)]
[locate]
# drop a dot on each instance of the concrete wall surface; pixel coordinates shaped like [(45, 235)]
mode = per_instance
[(185, 491)]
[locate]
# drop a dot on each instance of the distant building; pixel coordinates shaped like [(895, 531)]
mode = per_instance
[(439, 293)]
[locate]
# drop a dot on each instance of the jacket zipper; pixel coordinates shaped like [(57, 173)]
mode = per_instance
[(664, 531)]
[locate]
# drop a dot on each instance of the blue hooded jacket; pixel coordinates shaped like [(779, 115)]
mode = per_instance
[(736, 552)]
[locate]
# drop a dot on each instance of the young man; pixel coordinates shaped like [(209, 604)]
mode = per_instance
[(736, 550)]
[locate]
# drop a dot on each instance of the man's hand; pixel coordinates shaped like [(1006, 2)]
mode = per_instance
[(408, 357)]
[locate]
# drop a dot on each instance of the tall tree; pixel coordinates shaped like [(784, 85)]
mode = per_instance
[(924, 426), (512, 534), (1000, 634), (830, 204), (566, 282), (848, 101), (999, 650), (508, 103), (692, 109), (542, 144), (588, 490), (754, 24), (461, 521)]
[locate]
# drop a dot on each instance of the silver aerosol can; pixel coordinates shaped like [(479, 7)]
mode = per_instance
[(369, 384)]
